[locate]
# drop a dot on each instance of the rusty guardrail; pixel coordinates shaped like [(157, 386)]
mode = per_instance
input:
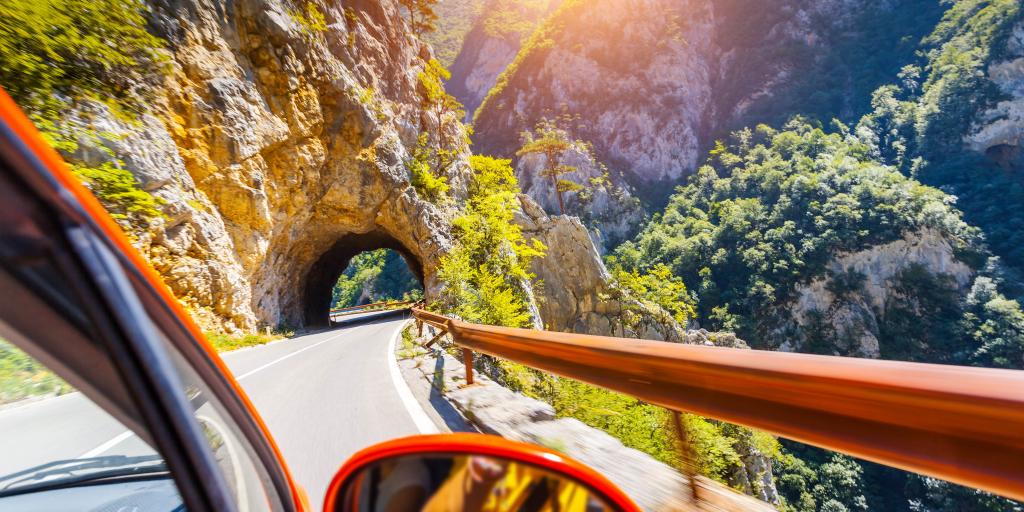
[(351, 310), (961, 424)]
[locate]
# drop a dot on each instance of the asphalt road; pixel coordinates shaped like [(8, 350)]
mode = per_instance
[(323, 396)]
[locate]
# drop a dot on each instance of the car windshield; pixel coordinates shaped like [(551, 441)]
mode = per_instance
[(62, 473)]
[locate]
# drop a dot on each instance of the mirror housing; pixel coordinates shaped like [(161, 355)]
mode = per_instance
[(463, 471)]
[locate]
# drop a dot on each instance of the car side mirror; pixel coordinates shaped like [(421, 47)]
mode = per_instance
[(469, 473)]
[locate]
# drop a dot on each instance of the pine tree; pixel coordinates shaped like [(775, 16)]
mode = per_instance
[(443, 105), (550, 141), (422, 17)]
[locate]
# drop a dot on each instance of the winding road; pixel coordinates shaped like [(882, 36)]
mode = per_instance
[(323, 396)]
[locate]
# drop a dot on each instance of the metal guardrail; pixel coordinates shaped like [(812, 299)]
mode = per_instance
[(376, 306), (961, 424)]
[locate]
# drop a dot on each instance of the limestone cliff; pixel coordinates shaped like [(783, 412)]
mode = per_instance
[(655, 82), (492, 43), (999, 131), (576, 293), (855, 312), (605, 204), (279, 150)]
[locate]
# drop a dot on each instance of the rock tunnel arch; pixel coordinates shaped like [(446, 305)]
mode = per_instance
[(320, 279)]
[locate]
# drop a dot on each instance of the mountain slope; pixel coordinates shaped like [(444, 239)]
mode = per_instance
[(654, 82)]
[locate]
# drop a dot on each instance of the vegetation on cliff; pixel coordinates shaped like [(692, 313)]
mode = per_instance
[(486, 274), (771, 209), (62, 60), (918, 123)]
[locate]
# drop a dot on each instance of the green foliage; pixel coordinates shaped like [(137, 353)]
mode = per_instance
[(513, 19), (420, 15), (657, 287), (375, 276), (446, 110), (454, 20), (119, 191), (311, 19), (770, 210), (55, 53), (223, 342), (429, 186), (820, 481), (486, 271), (21, 376), (59, 55)]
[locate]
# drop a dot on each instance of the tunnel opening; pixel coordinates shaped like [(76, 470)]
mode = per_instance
[(366, 251), (375, 276)]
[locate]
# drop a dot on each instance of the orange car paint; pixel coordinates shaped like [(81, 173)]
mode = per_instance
[(30, 136), (478, 444)]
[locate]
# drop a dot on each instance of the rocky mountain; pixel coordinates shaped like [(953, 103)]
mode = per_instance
[(278, 150), (284, 140), (655, 82), (495, 38)]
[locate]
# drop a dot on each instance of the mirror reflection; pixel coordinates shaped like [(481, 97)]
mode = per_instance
[(463, 482)]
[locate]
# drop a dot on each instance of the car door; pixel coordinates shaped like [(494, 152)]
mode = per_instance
[(79, 303)]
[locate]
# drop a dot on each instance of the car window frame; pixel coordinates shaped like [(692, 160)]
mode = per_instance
[(132, 316)]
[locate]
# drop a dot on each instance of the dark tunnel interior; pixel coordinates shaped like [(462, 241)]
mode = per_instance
[(326, 270)]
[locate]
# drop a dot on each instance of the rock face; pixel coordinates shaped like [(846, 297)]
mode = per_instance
[(279, 150), (577, 293), (856, 313), (999, 131), (605, 205), (491, 45), (654, 82)]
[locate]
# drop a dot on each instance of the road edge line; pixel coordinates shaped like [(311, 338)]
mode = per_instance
[(419, 416)]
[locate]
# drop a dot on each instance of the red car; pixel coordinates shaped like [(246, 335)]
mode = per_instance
[(81, 309)]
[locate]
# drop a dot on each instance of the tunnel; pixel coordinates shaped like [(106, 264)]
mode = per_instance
[(329, 266)]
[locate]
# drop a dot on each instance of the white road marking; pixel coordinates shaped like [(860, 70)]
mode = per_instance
[(286, 356), (241, 493), (107, 445), (423, 422), (126, 434)]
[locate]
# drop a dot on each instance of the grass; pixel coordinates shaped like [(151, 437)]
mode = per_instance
[(22, 377), (225, 342)]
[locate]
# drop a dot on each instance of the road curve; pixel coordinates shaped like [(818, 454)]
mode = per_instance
[(323, 396)]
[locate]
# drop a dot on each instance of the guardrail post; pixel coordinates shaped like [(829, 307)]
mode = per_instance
[(686, 452), (467, 360), (435, 338)]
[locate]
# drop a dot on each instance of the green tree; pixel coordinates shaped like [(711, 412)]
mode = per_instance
[(549, 140), (486, 272), (375, 276), (428, 185), (64, 56), (421, 15), (446, 109)]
